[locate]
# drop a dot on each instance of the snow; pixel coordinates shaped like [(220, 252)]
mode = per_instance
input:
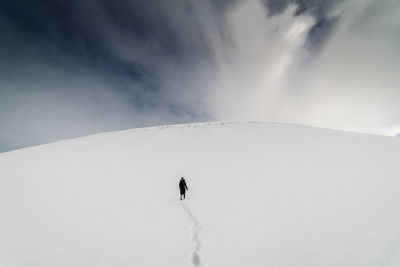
[(260, 194)]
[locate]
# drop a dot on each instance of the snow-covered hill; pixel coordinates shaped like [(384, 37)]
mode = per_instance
[(260, 194)]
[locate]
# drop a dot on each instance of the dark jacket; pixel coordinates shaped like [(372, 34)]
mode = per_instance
[(182, 186)]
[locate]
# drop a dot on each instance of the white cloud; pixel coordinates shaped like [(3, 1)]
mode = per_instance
[(250, 83), (352, 84)]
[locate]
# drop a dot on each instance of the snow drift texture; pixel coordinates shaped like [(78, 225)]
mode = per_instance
[(260, 194)]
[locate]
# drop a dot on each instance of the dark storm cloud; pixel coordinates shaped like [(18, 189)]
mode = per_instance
[(62, 33), (79, 29), (134, 49), (320, 9), (79, 54), (75, 30), (70, 68)]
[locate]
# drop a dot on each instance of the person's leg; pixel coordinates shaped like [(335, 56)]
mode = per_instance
[(184, 196)]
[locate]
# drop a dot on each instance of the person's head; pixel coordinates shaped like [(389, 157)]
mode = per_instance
[(182, 178)]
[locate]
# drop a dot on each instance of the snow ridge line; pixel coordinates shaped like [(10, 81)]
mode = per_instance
[(195, 230)]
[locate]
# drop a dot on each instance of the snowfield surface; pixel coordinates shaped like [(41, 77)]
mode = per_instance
[(260, 194)]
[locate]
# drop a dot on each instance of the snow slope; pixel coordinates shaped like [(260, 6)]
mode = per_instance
[(260, 194)]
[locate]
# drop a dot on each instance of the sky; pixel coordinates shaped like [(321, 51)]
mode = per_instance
[(73, 68)]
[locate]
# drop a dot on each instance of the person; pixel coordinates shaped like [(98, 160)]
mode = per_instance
[(182, 187)]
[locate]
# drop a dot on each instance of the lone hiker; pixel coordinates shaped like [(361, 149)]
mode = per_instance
[(182, 187)]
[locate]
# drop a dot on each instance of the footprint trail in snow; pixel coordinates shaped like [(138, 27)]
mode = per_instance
[(195, 230)]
